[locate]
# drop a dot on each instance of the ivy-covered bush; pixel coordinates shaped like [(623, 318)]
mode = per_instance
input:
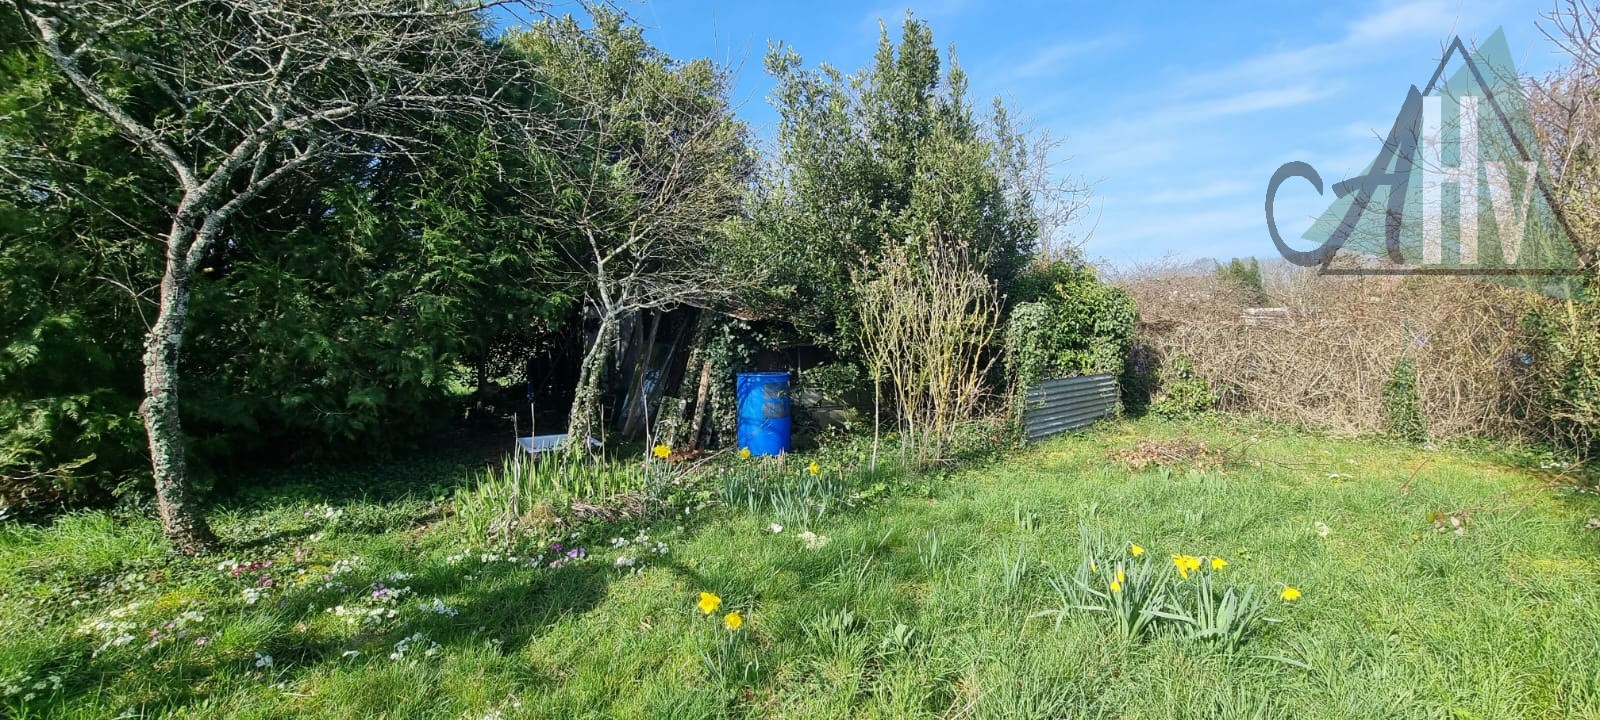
[(1402, 405), (1563, 364), (1066, 322), (1183, 392)]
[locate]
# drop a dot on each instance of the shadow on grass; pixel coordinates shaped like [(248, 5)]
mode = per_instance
[(501, 607), (422, 474)]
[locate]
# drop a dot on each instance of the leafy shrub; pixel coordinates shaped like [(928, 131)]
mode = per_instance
[(836, 381), (1565, 367), (1183, 392), (1402, 406), (1245, 278), (1066, 322)]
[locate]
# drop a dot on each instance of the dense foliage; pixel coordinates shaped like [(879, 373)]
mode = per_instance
[(1066, 322), (353, 304), (1402, 405), (886, 156), (1244, 277), (72, 290), (346, 310), (1182, 391)]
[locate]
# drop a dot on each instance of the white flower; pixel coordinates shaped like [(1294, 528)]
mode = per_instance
[(775, 528), (624, 561), (438, 607), (350, 653), (1322, 529), (263, 660), (617, 542), (812, 540), (405, 645), (400, 576)]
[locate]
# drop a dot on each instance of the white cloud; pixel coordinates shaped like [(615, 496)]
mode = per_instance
[(1404, 20), (1250, 101), (1050, 60)]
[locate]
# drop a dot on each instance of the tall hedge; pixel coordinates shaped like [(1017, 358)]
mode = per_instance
[(1066, 322)]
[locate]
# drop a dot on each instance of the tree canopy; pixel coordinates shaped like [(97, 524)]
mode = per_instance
[(231, 232), (888, 155)]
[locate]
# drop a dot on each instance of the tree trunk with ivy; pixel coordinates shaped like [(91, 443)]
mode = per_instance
[(581, 422), (181, 521)]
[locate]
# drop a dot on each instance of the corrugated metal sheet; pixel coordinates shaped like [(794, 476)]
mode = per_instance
[(1053, 406)]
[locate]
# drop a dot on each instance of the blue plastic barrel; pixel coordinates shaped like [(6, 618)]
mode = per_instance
[(764, 412)]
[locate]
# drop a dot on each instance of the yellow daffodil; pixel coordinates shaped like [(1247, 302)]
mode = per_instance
[(709, 603), (662, 451), (732, 621), (813, 468), (1186, 564), (1218, 563), (744, 453), (1290, 594), (1136, 550), (1093, 567), (1116, 586), (1120, 576)]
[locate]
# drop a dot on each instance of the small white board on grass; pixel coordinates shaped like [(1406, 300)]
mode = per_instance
[(546, 443)]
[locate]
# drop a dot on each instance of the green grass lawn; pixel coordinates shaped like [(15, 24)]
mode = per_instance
[(919, 605)]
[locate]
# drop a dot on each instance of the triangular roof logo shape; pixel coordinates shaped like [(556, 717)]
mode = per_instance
[(1451, 192)]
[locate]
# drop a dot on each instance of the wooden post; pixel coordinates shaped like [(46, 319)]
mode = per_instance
[(702, 397)]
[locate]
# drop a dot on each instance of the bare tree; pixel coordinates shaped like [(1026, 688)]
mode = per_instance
[(1031, 176), (927, 315), (1566, 113), (233, 97), (651, 165)]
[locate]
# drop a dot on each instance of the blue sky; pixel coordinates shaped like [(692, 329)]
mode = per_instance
[(1177, 115)]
